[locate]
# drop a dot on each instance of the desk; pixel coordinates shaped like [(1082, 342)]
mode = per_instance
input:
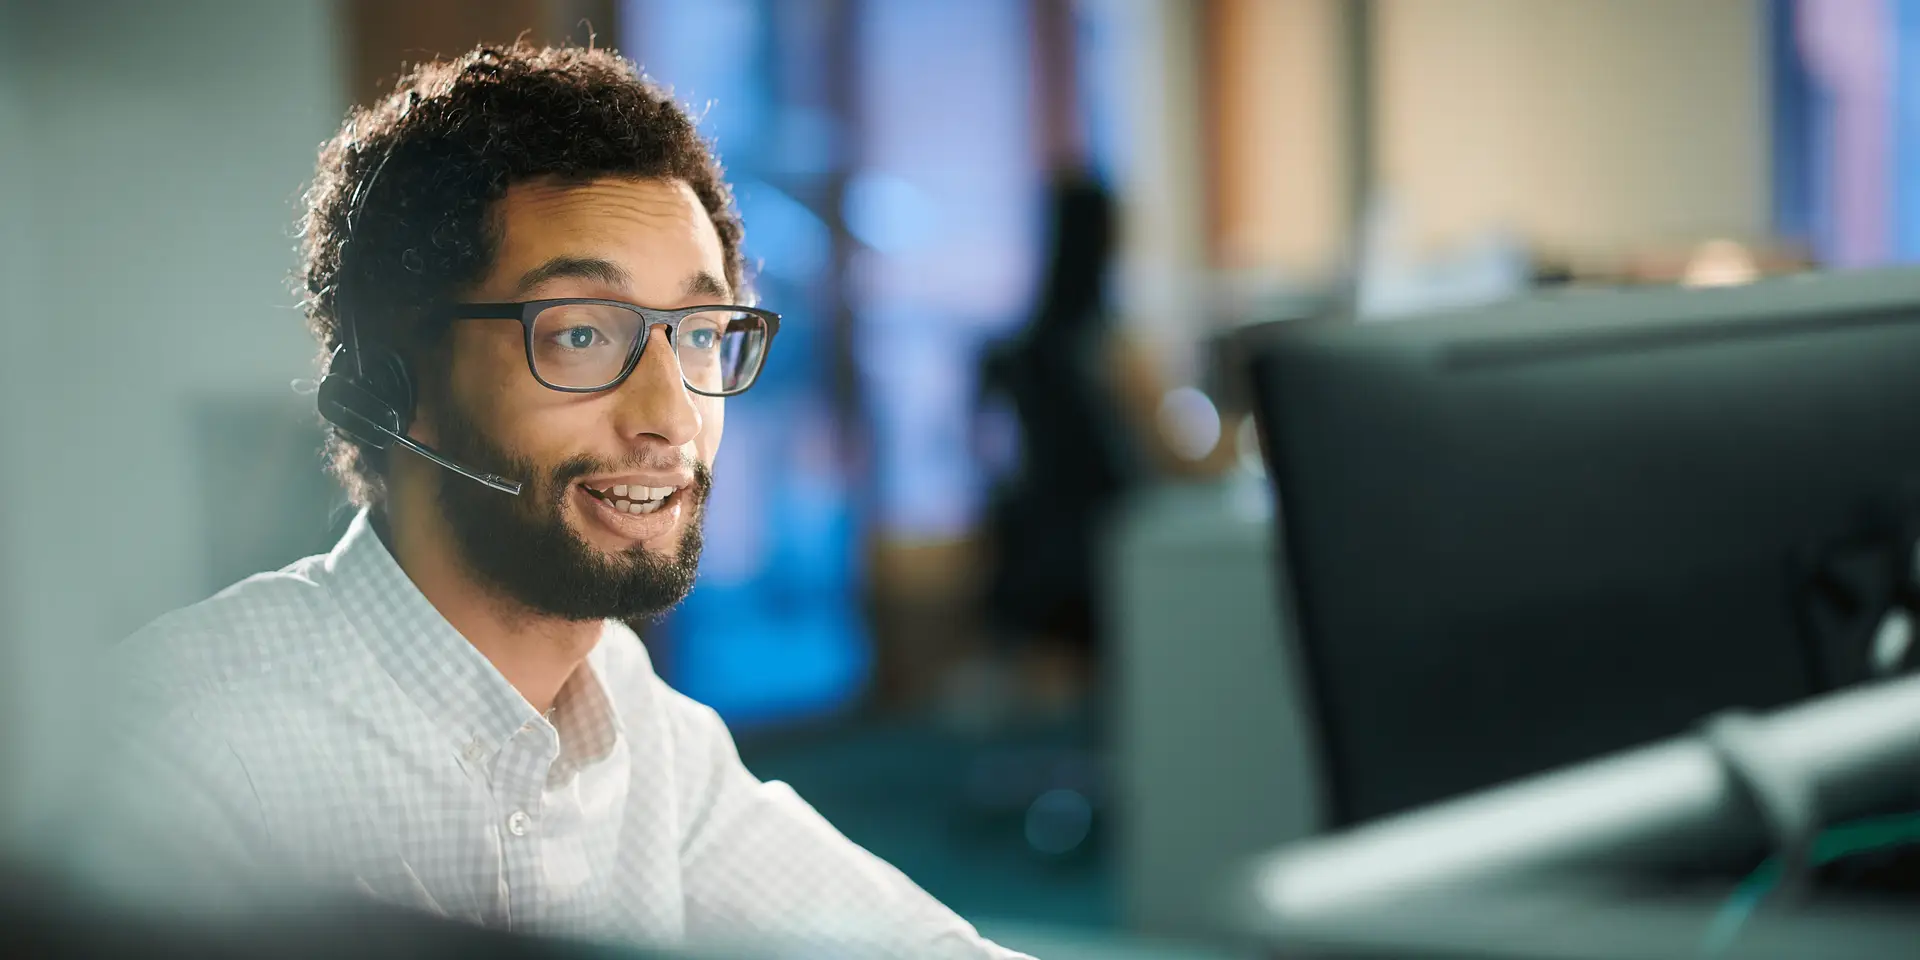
[(1211, 748), (1589, 921)]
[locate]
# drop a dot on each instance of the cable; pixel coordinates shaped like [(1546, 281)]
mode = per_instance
[(1844, 840)]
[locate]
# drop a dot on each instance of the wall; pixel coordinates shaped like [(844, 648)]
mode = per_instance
[(15, 306), (163, 148), (1279, 177), (1153, 74), (381, 37), (1588, 124)]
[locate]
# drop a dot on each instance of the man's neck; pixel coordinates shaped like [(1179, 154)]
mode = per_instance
[(537, 654)]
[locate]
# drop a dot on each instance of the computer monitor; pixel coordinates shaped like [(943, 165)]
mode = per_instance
[(1523, 536)]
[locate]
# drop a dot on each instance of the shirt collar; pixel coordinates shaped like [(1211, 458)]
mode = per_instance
[(434, 665), (588, 725)]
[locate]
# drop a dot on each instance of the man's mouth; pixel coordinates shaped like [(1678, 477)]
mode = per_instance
[(631, 498)]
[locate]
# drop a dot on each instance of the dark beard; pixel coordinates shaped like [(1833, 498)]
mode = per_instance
[(523, 546)]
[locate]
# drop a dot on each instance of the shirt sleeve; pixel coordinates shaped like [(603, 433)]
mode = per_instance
[(168, 820), (760, 865)]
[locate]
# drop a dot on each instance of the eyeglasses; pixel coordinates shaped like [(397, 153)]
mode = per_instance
[(578, 345)]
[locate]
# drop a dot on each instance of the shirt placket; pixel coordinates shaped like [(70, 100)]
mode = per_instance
[(519, 787)]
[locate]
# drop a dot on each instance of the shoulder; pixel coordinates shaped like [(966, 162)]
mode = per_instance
[(234, 697), (269, 627)]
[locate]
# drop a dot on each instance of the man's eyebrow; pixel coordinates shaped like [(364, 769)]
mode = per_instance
[(575, 268), (704, 284)]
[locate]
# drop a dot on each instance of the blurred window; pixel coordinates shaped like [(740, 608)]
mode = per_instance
[(1845, 77)]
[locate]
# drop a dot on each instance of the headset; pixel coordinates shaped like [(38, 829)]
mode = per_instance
[(367, 392)]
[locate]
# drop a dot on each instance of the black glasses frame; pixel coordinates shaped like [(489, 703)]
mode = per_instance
[(526, 312)]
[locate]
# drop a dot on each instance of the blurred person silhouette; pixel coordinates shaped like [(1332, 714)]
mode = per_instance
[(524, 269), (1077, 453)]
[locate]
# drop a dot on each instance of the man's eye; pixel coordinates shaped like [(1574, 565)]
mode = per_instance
[(701, 339), (579, 338)]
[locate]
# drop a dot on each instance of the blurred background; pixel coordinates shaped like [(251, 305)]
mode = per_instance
[(994, 490)]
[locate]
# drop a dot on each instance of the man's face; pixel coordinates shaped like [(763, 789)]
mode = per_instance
[(567, 546)]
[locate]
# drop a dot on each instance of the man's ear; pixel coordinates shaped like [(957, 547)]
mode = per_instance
[(430, 388), (425, 417)]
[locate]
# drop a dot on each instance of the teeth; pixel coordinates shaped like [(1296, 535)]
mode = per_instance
[(621, 491), (633, 498)]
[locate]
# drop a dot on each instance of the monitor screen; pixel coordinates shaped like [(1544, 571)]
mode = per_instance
[(1524, 536)]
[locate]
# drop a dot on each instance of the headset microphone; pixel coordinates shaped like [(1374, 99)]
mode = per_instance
[(362, 413), (367, 391)]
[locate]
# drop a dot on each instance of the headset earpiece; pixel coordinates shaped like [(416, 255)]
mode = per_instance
[(385, 375), (367, 392), (374, 407)]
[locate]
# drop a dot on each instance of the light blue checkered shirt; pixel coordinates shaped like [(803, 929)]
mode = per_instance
[(325, 723)]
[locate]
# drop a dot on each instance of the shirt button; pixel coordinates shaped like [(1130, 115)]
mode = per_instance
[(518, 823), (475, 752)]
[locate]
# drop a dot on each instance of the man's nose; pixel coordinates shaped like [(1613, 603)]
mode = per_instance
[(654, 400)]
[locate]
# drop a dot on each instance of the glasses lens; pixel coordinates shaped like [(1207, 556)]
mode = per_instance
[(721, 351), (583, 345)]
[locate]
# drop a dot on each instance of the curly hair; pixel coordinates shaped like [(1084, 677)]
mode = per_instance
[(446, 145)]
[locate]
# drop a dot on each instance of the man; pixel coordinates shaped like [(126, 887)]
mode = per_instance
[(525, 271)]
